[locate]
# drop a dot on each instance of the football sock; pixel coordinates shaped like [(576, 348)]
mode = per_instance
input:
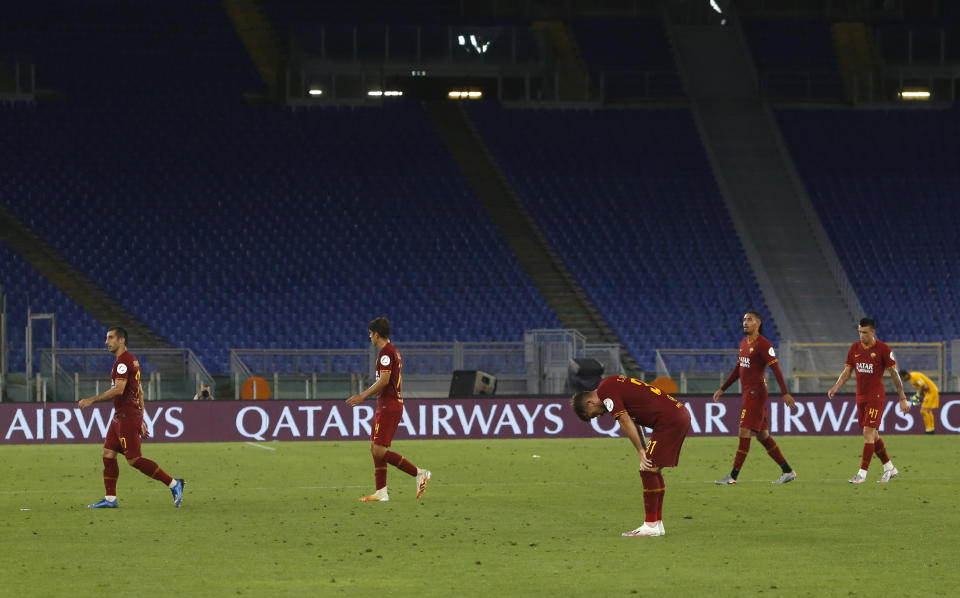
[(111, 497), (111, 471), (774, 451), (880, 450), (928, 421), (742, 449), (868, 449), (379, 472), (663, 491), (652, 494), (400, 463), (151, 469), (172, 484)]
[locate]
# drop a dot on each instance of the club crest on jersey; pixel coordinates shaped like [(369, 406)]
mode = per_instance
[(873, 356), (608, 404), (751, 349), (385, 360), (122, 368)]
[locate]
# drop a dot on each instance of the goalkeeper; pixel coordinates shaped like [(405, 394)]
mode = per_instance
[(927, 395)]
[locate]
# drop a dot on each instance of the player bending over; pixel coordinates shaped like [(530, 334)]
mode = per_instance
[(634, 403), (927, 395)]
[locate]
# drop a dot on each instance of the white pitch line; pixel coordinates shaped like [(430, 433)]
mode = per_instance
[(266, 448)]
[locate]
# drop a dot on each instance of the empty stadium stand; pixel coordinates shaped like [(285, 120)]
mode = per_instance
[(884, 183), (222, 224), (627, 199), (26, 289), (630, 57), (794, 58)]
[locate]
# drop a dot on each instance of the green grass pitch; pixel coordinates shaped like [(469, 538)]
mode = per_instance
[(282, 519)]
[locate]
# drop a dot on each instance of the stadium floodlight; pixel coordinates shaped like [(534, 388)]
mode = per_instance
[(915, 94), (390, 93), (315, 91), (456, 94), (473, 43), (715, 5)]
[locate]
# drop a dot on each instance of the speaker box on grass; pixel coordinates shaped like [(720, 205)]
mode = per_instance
[(584, 374), (472, 383)]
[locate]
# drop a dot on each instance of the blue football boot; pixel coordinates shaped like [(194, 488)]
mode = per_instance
[(177, 492)]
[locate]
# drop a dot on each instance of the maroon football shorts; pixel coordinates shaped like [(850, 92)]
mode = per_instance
[(385, 423), (123, 436), (870, 411), (663, 447), (753, 413)]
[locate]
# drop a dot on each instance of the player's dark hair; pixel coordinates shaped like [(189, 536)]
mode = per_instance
[(868, 322), (119, 332), (381, 326), (577, 402), (904, 374), (757, 315)]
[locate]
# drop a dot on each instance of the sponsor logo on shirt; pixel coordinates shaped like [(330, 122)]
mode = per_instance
[(608, 404), (864, 368), (744, 362), (772, 354), (122, 369), (385, 360)]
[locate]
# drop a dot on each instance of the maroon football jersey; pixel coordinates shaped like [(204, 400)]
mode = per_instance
[(869, 365), (389, 361), (753, 360), (646, 405), (126, 367)]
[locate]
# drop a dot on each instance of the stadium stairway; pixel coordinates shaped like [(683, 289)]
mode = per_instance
[(76, 285), (574, 81), (796, 266), (259, 38), (859, 60), (548, 272)]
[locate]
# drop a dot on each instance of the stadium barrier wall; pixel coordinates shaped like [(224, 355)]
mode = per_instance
[(261, 421)]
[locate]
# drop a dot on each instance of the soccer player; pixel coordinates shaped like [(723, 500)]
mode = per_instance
[(870, 357), (634, 403), (127, 425), (927, 392), (388, 414), (756, 354)]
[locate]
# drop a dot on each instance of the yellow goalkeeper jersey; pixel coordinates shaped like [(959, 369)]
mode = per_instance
[(927, 389)]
